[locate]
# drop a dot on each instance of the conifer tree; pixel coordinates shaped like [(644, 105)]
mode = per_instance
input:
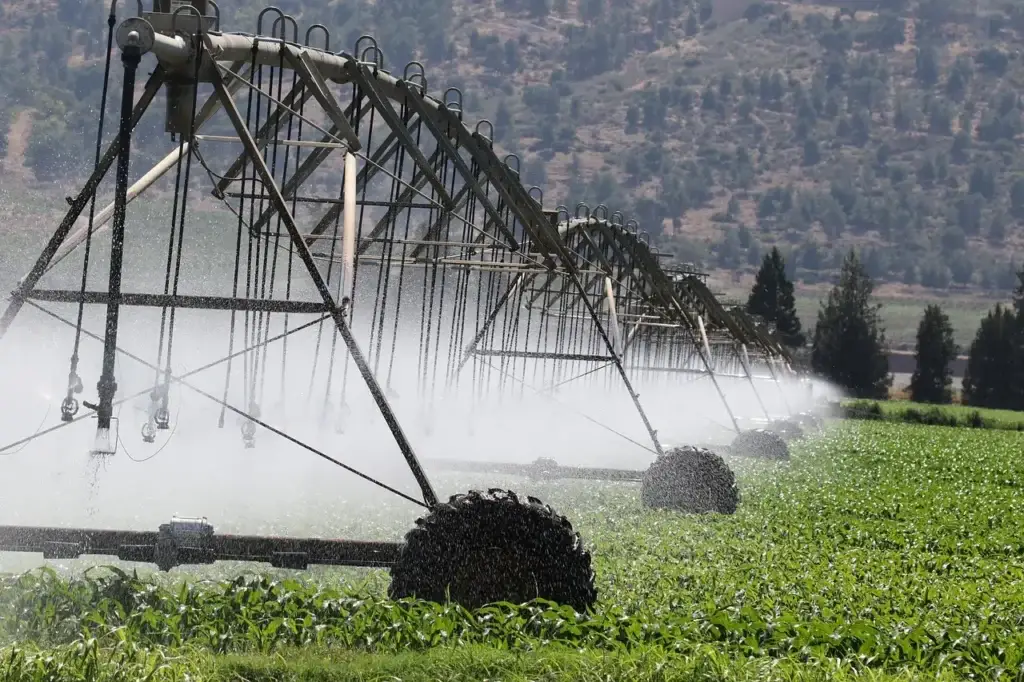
[(994, 363), (1018, 294), (849, 345), (933, 374), (772, 299)]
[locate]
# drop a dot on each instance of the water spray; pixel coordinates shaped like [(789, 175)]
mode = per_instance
[(431, 262)]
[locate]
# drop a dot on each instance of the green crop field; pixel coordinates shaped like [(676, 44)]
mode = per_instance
[(882, 551)]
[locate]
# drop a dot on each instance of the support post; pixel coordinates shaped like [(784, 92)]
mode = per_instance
[(616, 359), (277, 198), (131, 55), (348, 227), (744, 359), (705, 356)]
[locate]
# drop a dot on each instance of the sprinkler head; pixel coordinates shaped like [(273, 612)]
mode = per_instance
[(162, 419), (68, 409), (249, 434)]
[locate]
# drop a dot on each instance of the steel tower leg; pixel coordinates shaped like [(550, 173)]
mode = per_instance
[(281, 205), (745, 364)]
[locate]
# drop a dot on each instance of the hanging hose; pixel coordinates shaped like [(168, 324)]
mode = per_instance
[(69, 406), (334, 329), (238, 256), (252, 278), (291, 245), (269, 282)]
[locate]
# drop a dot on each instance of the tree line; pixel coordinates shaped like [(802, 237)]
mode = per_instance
[(848, 345)]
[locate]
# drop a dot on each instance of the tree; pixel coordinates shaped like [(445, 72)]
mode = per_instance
[(927, 71), (591, 10), (1017, 198), (48, 149), (849, 345), (994, 363), (1018, 295), (812, 152), (936, 349), (632, 118), (692, 25), (539, 8), (892, 31), (772, 299), (983, 182), (502, 121), (3, 132)]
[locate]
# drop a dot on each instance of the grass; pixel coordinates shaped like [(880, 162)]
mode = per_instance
[(471, 663), (901, 311), (901, 316), (882, 551), (475, 663), (935, 415)]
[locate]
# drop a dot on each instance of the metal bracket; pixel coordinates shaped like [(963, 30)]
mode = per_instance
[(315, 82)]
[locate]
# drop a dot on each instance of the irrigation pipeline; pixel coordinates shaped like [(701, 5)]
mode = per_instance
[(355, 195)]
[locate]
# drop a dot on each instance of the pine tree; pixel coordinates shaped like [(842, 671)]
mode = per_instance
[(994, 363), (1018, 294), (692, 26), (936, 350), (772, 299), (849, 346), (539, 8)]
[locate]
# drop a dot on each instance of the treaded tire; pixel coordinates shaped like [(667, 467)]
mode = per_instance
[(789, 429), (692, 480), (760, 444), (481, 548)]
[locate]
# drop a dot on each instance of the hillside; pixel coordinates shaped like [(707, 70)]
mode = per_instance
[(724, 127)]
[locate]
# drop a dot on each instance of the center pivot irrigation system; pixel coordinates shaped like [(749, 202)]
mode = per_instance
[(359, 206)]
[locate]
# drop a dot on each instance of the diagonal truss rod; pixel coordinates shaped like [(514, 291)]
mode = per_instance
[(181, 379), (298, 96), (280, 203)]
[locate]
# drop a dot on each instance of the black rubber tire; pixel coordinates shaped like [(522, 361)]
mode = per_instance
[(692, 480), (760, 444), (789, 429), (481, 548)]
